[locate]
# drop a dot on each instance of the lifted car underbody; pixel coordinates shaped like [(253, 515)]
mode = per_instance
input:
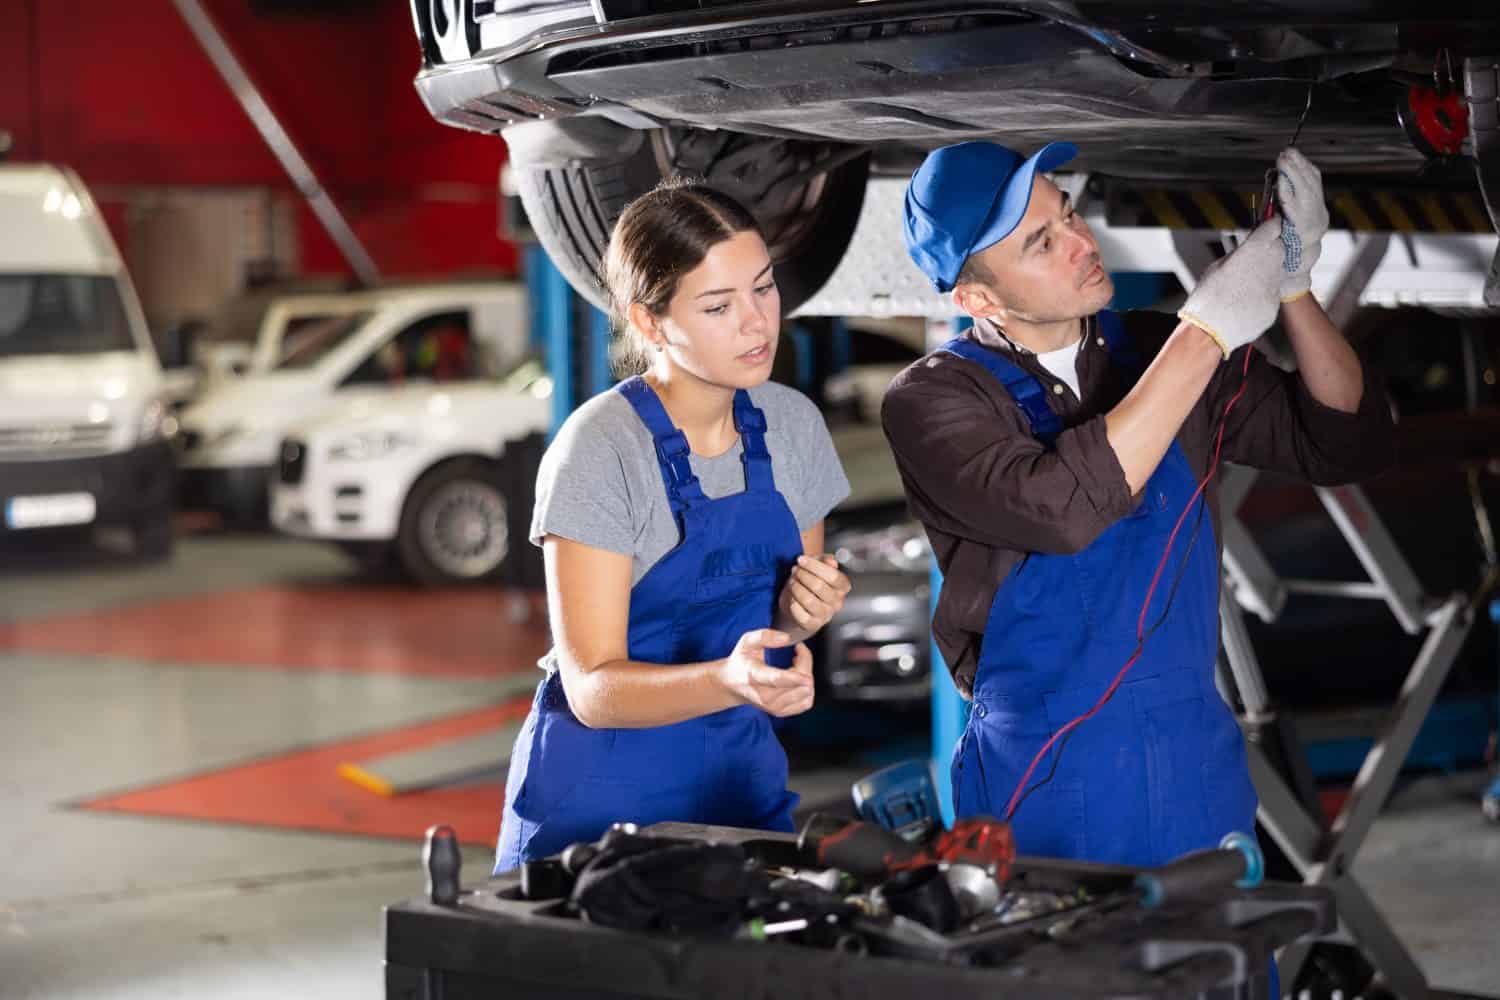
[(1145, 89), (791, 105)]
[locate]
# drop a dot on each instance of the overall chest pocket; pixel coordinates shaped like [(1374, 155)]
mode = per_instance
[(735, 593), (740, 573)]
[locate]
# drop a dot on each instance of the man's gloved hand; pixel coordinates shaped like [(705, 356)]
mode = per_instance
[(1236, 299), (1304, 220)]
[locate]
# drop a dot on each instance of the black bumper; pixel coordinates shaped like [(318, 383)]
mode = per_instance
[(240, 491), (125, 485)]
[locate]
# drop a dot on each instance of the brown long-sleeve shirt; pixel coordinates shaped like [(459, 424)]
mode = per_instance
[(988, 492)]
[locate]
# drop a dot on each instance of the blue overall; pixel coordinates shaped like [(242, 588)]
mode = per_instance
[(1160, 769), (567, 782)]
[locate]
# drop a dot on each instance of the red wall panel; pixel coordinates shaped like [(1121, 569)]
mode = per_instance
[(123, 93), (18, 111)]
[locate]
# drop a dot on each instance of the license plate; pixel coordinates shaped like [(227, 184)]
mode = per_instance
[(50, 511)]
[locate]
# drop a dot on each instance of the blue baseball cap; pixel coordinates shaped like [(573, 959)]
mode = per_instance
[(969, 196)]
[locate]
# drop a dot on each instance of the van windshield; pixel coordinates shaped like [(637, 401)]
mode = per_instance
[(308, 343), (62, 314)]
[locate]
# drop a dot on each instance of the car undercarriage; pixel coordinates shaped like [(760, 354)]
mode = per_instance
[(792, 106)]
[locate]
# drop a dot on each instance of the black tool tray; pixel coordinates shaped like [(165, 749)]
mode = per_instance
[(495, 944)]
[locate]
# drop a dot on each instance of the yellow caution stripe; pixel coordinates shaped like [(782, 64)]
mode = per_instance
[(1362, 210)]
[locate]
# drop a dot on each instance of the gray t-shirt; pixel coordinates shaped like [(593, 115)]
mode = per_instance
[(600, 483)]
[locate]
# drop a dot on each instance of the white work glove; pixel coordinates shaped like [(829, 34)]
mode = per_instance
[(1236, 299), (1304, 220)]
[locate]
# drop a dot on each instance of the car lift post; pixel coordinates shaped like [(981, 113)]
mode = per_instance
[(553, 310), (576, 348)]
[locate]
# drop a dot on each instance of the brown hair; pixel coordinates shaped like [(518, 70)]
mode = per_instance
[(973, 272), (660, 237)]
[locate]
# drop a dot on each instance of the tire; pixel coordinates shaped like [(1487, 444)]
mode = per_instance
[(455, 526), (572, 209), (154, 535)]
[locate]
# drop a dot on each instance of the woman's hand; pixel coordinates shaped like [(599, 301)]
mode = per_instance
[(813, 594), (747, 676)]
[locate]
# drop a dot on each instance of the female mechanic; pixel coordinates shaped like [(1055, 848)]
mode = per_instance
[(681, 519)]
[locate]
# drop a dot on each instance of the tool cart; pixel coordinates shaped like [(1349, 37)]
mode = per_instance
[(842, 910)]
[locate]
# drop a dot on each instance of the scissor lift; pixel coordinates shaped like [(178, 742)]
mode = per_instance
[(1325, 855)]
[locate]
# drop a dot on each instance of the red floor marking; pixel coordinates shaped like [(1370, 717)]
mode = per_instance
[(384, 630), (302, 790)]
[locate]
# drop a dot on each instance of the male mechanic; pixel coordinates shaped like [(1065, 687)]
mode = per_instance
[(1051, 451)]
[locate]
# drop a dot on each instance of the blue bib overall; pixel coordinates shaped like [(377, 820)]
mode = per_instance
[(567, 782), (1160, 769)]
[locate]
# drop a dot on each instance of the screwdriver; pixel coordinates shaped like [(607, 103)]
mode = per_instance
[(1236, 861)]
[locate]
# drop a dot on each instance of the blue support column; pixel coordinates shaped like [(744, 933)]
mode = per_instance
[(552, 315), (601, 375), (950, 712), (807, 365), (839, 347), (533, 260)]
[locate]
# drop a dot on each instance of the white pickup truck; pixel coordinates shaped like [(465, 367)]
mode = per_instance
[(360, 350)]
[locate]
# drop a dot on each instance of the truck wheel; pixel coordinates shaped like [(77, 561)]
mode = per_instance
[(808, 220), (455, 525), (154, 536)]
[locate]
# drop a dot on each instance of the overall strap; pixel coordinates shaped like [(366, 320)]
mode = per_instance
[(1121, 349), (750, 421), (672, 449), (1023, 388)]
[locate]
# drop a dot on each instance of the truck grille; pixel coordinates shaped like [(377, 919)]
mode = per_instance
[(293, 458), (54, 440)]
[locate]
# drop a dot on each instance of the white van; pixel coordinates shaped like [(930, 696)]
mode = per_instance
[(376, 341), (83, 419), (438, 475)]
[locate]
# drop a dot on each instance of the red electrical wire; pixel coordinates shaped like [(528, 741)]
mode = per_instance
[(1140, 629)]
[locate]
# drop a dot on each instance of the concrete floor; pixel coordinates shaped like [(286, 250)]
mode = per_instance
[(151, 837)]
